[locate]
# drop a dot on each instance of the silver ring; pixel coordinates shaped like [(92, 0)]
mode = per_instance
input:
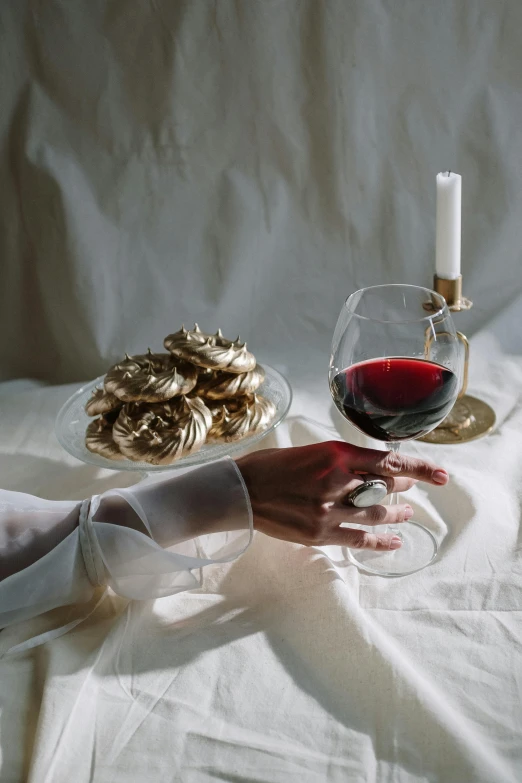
[(367, 494)]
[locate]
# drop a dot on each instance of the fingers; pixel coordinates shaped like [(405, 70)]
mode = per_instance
[(402, 484), (399, 484), (360, 539), (374, 515), (389, 463)]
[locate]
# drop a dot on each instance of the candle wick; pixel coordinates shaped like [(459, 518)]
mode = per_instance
[(448, 174)]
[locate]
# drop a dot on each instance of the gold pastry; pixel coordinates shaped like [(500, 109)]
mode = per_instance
[(238, 418), (147, 415), (218, 408), (134, 415), (214, 352), (99, 440), (101, 401), (161, 434), (153, 377), (223, 385)]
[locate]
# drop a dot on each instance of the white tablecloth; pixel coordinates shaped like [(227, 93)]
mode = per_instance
[(287, 665)]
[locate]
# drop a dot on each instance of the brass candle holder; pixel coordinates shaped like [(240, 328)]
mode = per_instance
[(470, 418)]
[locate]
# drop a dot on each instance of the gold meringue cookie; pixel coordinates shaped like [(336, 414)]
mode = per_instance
[(101, 401), (262, 412), (240, 418), (184, 336), (99, 440), (214, 352), (161, 434), (223, 385), (150, 377), (218, 408), (134, 415)]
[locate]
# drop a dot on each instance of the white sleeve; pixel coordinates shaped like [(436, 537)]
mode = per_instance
[(145, 541)]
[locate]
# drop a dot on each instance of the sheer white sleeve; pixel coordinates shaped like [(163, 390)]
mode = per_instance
[(145, 541)]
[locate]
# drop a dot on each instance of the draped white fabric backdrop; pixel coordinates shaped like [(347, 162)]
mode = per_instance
[(245, 164)]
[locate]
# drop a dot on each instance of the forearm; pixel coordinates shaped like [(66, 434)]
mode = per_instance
[(199, 502), (143, 541), (30, 528)]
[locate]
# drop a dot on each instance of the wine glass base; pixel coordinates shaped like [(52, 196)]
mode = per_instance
[(419, 549)]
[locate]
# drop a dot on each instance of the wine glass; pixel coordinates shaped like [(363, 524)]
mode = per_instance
[(395, 372)]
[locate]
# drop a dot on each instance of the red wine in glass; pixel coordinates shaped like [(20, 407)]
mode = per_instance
[(395, 367), (395, 398)]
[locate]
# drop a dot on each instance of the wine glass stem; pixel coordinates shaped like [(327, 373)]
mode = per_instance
[(394, 497)]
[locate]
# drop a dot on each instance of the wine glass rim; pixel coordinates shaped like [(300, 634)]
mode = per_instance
[(441, 311)]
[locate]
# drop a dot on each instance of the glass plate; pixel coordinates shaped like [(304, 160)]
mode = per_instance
[(72, 421)]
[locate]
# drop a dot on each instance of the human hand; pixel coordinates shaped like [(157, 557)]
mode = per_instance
[(297, 493)]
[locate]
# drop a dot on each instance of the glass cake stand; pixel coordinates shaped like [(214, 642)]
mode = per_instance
[(72, 422)]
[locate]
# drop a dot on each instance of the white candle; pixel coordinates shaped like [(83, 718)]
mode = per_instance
[(449, 189)]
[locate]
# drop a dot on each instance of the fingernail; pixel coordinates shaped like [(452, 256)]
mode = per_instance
[(408, 512), (395, 543), (440, 477)]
